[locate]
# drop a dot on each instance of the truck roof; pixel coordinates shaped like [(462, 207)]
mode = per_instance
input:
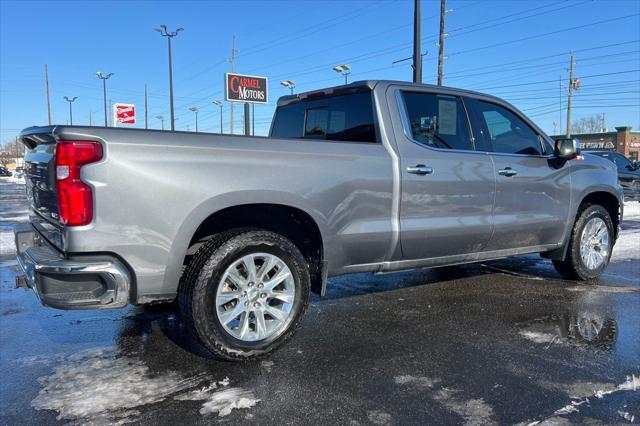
[(360, 85)]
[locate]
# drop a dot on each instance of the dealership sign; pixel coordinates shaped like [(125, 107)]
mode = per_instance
[(245, 88), (124, 114), (598, 145)]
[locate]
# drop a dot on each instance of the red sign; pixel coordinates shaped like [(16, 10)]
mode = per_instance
[(124, 113)]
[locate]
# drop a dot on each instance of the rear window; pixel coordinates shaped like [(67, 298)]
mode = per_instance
[(348, 118)]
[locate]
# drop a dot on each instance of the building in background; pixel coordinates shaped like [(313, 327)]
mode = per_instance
[(623, 140)]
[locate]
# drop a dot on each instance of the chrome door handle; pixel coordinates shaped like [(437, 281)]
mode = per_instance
[(420, 169), (508, 172)]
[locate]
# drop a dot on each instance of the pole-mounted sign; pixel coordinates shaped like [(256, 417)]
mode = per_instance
[(124, 114), (245, 88)]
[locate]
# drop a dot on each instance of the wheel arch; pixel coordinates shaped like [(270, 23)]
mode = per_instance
[(603, 197), (290, 218)]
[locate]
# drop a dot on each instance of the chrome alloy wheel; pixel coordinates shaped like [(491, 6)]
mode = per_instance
[(594, 243), (255, 297)]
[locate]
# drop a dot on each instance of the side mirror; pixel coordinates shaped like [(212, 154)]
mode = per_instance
[(567, 148)]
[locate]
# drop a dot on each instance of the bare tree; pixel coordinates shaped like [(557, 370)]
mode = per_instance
[(11, 150), (590, 124)]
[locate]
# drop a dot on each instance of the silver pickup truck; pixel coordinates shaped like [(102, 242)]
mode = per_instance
[(373, 176)]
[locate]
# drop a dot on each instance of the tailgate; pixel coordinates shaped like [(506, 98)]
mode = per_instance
[(40, 177)]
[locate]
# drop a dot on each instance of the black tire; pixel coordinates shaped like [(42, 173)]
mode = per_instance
[(573, 267), (203, 276)]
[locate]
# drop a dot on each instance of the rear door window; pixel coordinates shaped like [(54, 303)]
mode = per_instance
[(438, 121), (349, 117)]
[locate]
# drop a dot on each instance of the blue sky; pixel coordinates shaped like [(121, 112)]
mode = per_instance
[(517, 50)]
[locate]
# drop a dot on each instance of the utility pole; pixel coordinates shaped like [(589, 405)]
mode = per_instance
[(560, 99), (233, 64), (571, 84), (71, 101), (90, 123), (104, 79), (603, 127), (417, 54), (441, 41), (253, 119), (146, 111), (169, 35), (46, 82)]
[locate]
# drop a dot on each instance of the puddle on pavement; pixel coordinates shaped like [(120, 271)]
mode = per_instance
[(586, 329)]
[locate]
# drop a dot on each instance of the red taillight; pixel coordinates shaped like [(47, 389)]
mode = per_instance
[(75, 199)]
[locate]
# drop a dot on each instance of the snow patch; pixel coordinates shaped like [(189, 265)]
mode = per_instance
[(632, 383), (13, 179), (627, 416), (538, 337), (473, 411), (100, 385), (267, 365), (222, 402), (631, 210), (198, 394), (7, 243), (420, 382), (378, 417)]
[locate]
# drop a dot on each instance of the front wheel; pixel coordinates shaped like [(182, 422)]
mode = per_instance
[(590, 245), (245, 293)]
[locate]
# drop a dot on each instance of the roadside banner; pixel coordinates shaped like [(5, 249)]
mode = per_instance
[(124, 114)]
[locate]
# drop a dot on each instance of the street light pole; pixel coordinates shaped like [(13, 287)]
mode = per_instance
[(104, 79), (71, 101), (195, 110), (345, 70), (220, 104), (169, 35), (290, 84), (161, 118)]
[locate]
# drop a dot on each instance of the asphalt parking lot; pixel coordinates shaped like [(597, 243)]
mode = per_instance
[(506, 342)]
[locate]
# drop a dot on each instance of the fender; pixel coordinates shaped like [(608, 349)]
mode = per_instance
[(218, 203)]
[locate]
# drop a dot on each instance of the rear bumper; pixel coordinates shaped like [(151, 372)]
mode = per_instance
[(87, 282)]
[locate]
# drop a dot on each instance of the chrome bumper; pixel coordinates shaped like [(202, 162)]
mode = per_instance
[(86, 282)]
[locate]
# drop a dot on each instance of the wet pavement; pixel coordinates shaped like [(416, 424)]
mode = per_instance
[(506, 342)]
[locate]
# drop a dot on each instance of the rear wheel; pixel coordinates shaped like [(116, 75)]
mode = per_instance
[(590, 245), (245, 293)]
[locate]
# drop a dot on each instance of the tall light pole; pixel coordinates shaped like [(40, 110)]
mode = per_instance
[(344, 69), (104, 79), (161, 118), (169, 35), (195, 110), (71, 101), (289, 83), (46, 82), (220, 104)]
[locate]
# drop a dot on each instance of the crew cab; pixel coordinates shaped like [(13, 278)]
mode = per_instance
[(372, 176)]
